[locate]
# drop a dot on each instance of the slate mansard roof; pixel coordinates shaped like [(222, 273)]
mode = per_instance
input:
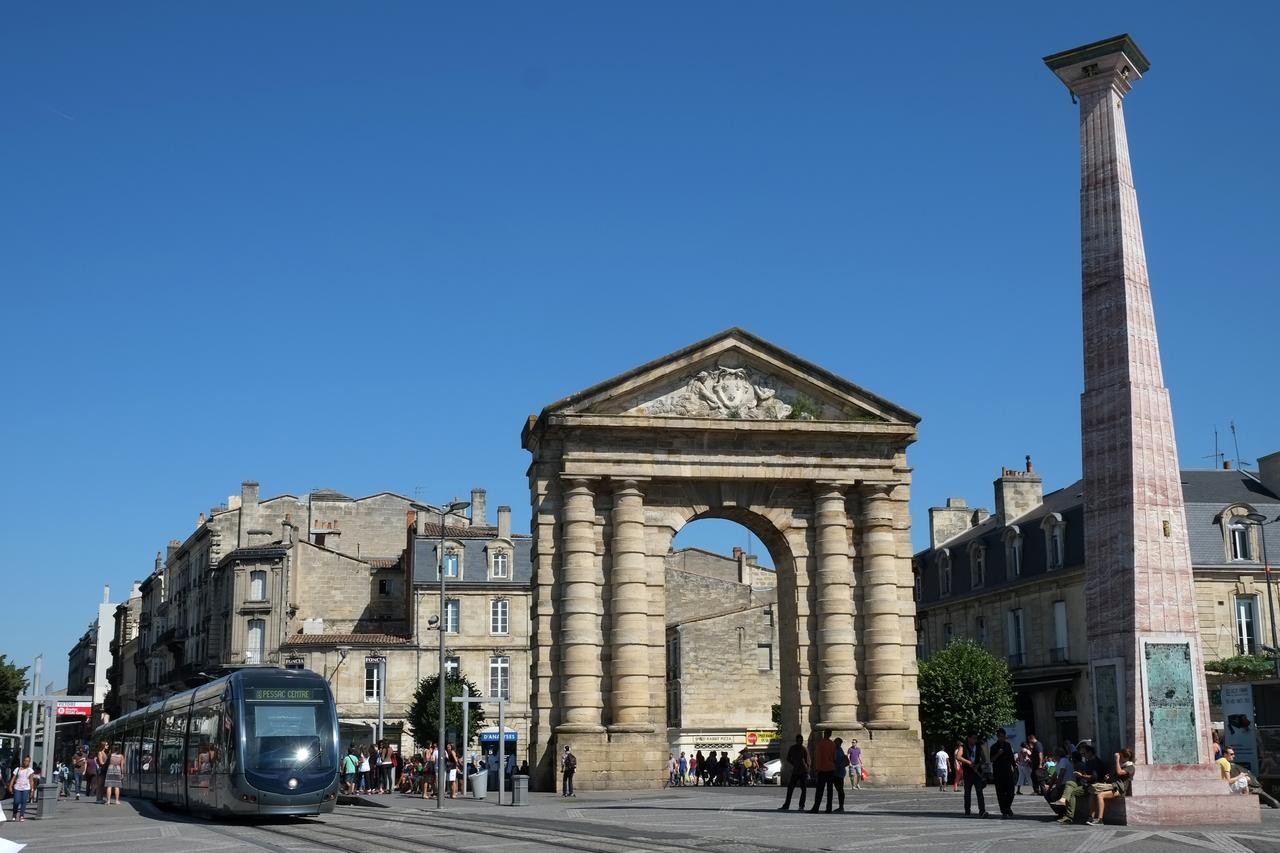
[(1206, 494), (475, 559)]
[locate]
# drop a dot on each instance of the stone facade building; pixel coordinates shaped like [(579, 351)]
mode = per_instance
[(122, 676), (338, 585), (722, 651), (90, 658), (1014, 581)]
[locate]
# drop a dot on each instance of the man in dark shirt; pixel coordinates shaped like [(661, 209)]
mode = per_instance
[(798, 758), (824, 764), (1005, 770), (1037, 764)]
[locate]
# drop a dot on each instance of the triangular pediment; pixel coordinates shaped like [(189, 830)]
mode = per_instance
[(733, 375)]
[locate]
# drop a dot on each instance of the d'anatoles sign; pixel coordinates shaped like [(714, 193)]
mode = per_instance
[(75, 709)]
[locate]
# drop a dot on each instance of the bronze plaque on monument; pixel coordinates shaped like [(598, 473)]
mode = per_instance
[(1171, 703)]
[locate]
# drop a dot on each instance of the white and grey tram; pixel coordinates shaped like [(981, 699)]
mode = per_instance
[(261, 741)]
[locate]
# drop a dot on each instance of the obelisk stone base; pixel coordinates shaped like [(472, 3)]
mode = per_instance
[(892, 756), (1182, 795)]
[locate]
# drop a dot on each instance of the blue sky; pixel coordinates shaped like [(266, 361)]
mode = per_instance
[(244, 240)]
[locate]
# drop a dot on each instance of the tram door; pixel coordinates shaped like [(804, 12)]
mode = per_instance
[(202, 754)]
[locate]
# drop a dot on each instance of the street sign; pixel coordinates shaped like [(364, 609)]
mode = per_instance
[(753, 738), (74, 709)]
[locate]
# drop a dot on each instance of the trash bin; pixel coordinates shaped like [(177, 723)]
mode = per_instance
[(479, 784), (519, 790), (48, 802)]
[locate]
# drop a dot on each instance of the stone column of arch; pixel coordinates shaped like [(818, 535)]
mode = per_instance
[(629, 634), (837, 689), (581, 636), (883, 634)]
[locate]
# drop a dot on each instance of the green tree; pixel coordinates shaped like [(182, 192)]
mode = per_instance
[(424, 711), (964, 690), (13, 680), (1249, 667)]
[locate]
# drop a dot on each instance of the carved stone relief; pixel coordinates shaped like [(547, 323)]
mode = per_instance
[(722, 392)]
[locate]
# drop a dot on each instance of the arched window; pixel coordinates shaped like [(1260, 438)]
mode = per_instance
[(1239, 542), (977, 566), (1013, 551), (1055, 548), (944, 573)]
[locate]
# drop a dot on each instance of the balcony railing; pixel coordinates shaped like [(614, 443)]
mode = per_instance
[(1058, 654), (1017, 659)]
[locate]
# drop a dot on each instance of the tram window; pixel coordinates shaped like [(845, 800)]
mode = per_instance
[(202, 750), (287, 736), (171, 743)]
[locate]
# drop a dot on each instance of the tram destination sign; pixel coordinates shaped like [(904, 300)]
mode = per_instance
[(285, 694)]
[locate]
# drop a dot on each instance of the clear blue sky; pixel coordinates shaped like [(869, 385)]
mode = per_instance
[(242, 240)]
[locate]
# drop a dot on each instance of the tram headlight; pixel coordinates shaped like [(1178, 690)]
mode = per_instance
[(302, 754), (293, 783)]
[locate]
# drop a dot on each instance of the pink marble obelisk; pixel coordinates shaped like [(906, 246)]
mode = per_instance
[(1146, 667)]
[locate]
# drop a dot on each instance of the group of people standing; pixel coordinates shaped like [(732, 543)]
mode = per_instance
[(95, 771), (1072, 776), (711, 770), (370, 769), (828, 767)]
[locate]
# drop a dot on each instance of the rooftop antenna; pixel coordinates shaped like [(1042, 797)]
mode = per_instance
[(1217, 454), (1236, 440)]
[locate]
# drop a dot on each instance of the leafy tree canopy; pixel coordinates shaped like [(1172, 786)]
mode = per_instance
[(964, 690), (424, 711), (13, 680)]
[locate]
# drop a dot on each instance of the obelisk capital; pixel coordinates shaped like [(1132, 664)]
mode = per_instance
[(1116, 62)]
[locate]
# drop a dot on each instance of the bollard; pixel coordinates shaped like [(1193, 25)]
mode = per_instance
[(48, 802)]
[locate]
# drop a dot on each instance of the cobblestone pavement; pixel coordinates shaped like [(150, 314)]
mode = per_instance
[(716, 821)]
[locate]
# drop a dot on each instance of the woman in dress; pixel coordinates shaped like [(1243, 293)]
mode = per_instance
[(1024, 766), (115, 775)]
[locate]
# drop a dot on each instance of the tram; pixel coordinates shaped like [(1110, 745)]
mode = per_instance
[(260, 741)]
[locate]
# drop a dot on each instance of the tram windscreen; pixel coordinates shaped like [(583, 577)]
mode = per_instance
[(288, 735)]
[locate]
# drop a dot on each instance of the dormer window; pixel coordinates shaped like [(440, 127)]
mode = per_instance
[(1238, 541), (977, 566), (501, 565), (944, 573), (1013, 551), (452, 563), (1055, 549)]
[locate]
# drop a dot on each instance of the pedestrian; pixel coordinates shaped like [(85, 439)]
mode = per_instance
[(77, 769), (1037, 764), (673, 768), (842, 767), (1004, 766), (430, 768), (115, 775), (824, 764), (362, 771), (1084, 773), (855, 763), (568, 766), (973, 758), (90, 772), (350, 765), (798, 761), (683, 766), (696, 768), (20, 786), (453, 765), (103, 755), (1121, 778), (941, 764), (1023, 758)]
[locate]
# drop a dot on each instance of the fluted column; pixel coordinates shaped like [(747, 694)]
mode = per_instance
[(883, 633), (629, 636), (581, 637), (837, 691)]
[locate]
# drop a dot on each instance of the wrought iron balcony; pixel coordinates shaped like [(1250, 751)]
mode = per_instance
[(1058, 654), (1017, 659)]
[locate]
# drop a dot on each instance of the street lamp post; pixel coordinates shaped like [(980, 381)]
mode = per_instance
[(1260, 520), (445, 511)]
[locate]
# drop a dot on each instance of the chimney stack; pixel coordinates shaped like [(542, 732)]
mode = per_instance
[(504, 522), (744, 572), (1018, 492), (249, 493), (174, 545), (1269, 471), (948, 522), (159, 561), (479, 513), (106, 593)]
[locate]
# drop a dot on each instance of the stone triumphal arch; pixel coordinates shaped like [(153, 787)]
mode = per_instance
[(730, 427)]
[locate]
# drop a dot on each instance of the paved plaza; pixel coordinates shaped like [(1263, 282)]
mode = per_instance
[(730, 820)]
